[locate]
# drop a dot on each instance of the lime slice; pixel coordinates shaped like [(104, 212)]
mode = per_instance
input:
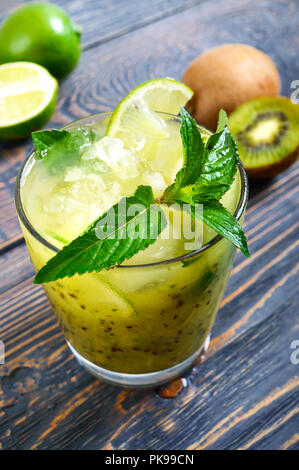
[(27, 98), (96, 294), (134, 111), (58, 238), (112, 295)]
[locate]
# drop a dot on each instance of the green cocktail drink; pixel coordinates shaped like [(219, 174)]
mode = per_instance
[(143, 322)]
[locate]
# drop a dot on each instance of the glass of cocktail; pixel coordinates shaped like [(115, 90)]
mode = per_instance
[(147, 320)]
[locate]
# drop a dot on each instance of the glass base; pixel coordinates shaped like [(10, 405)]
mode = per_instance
[(152, 379)]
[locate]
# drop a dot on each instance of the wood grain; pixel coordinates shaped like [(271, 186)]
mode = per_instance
[(103, 20), (246, 393)]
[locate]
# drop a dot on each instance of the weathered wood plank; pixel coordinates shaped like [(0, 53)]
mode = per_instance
[(15, 267), (103, 20), (106, 73), (245, 393)]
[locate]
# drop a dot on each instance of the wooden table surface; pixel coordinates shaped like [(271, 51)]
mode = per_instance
[(245, 395)]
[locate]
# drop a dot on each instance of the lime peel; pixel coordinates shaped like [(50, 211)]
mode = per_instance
[(28, 96), (162, 94)]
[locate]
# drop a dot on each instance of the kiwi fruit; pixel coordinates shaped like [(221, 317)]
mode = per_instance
[(227, 76), (267, 134)]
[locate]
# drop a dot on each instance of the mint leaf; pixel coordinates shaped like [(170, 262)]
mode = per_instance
[(119, 242), (45, 140), (220, 160), (193, 149), (61, 148), (222, 121), (212, 164), (199, 192), (217, 171), (221, 221)]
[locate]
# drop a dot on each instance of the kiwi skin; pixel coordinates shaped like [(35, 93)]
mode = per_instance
[(266, 172), (227, 76), (282, 154)]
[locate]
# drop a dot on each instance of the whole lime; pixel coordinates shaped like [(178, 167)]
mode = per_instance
[(41, 33)]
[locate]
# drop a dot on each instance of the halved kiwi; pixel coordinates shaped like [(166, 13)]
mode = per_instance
[(267, 134)]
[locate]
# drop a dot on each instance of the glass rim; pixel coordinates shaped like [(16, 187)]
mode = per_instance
[(26, 222)]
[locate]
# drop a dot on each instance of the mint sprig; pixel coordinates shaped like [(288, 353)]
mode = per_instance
[(120, 239), (220, 159), (193, 148), (45, 140), (61, 148), (207, 173), (218, 165)]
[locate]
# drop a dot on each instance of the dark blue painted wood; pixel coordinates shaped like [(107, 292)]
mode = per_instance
[(245, 394)]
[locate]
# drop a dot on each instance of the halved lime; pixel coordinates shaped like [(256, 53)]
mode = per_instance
[(134, 111), (27, 98)]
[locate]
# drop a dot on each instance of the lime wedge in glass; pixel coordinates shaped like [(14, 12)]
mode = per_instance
[(134, 113)]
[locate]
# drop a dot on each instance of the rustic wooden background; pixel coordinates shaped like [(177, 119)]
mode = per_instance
[(245, 394)]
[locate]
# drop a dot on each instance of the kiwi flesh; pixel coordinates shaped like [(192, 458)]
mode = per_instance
[(267, 134)]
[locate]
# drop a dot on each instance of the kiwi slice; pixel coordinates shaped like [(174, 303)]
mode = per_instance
[(267, 134)]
